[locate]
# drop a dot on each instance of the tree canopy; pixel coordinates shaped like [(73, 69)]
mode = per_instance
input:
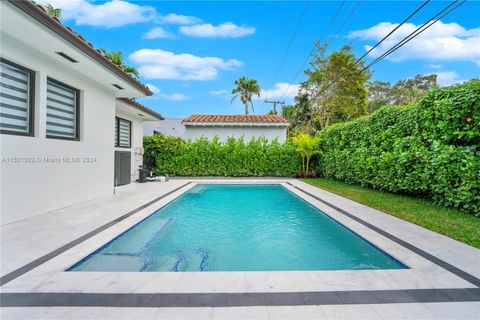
[(335, 90), (401, 93)]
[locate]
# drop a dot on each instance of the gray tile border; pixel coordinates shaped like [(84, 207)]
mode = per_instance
[(445, 265), (247, 299), (328, 297), (192, 300), (22, 270)]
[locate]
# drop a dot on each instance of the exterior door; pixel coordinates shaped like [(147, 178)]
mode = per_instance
[(122, 168)]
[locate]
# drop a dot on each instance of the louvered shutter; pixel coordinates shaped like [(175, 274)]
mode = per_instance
[(124, 127), (116, 131), (61, 111), (15, 104)]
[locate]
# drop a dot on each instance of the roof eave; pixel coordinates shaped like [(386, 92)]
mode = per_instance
[(142, 108), (235, 124), (43, 18)]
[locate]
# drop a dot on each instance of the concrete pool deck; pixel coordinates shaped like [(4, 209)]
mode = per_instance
[(443, 279)]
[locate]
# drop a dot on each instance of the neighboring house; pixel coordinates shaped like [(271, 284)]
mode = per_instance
[(129, 119), (58, 105), (168, 127), (269, 126)]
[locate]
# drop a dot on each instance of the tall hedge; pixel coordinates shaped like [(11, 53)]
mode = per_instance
[(235, 157), (430, 148)]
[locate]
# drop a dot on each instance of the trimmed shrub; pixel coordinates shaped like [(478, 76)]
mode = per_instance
[(235, 157), (430, 148)]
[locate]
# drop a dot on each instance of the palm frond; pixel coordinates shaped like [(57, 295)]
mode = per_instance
[(233, 98), (131, 70)]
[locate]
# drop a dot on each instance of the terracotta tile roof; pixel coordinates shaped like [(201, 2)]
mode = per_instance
[(247, 119), (141, 107), (39, 13)]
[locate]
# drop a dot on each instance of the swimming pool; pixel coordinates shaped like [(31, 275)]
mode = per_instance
[(237, 228)]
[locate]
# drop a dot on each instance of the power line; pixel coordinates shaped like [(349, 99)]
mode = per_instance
[(378, 43), (339, 31), (408, 38), (275, 102), (291, 41), (417, 32), (391, 32), (321, 37), (346, 22)]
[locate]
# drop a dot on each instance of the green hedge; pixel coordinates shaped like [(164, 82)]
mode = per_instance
[(235, 157), (430, 148)]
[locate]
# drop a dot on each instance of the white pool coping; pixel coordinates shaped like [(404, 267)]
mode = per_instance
[(423, 274)]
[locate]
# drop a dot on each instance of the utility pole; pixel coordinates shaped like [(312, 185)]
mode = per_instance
[(275, 104)]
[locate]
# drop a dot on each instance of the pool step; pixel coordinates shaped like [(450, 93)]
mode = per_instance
[(204, 263), (140, 239), (154, 237), (184, 261), (179, 263)]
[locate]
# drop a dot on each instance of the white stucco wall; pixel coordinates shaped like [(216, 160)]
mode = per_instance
[(39, 174), (195, 132), (169, 127), (127, 113)]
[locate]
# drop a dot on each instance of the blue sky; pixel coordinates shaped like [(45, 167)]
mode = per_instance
[(192, 52)]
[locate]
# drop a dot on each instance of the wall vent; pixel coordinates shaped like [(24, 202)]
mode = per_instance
[(66, 56)]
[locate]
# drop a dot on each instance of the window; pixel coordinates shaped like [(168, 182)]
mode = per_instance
[(16, 98), (123, 133), (116, 131), (62, 111)]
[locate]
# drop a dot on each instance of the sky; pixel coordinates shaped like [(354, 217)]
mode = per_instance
[(190, 53)]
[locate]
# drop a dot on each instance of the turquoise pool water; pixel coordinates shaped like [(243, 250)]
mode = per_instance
[(237, 228)]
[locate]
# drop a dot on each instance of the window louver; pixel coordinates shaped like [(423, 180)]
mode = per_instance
[(61, 111), (15, 104), (116, 131), (124, 133)]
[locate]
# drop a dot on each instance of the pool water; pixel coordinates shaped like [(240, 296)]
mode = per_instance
[(237, 228)]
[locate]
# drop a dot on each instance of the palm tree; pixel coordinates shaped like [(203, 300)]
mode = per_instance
[(245, 89), (117, 58), (53, 12), (306, 145)]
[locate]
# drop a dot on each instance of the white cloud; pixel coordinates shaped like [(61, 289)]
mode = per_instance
[(441, 42), (153, 88), (110, 14), (218, 92), (224, 30), (174, 96), (157, 33), (173, 18), (160, 64), (435, 66), (157, 93), (448, 78), (280, 91)]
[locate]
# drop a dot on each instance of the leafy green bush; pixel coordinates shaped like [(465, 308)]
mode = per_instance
[(235, 157), (430, 148)]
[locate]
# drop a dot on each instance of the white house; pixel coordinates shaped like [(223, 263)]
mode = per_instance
[(129, 119), (60, 115), (269, 126), (168, 127)]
